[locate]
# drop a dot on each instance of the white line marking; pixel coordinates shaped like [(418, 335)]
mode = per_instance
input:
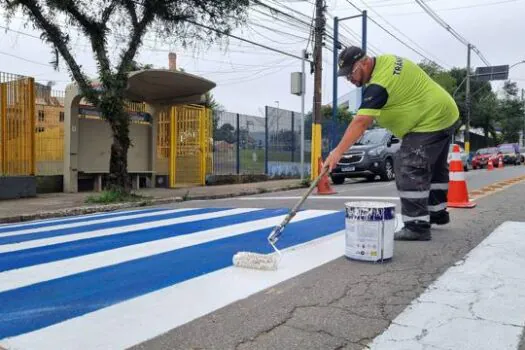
[(76, 217), (119, 229), (477, 304), (44, 272), (320, 197), (92, 222), (134, 321)]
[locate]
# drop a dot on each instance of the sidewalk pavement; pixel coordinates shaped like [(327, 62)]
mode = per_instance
[(67, 204)]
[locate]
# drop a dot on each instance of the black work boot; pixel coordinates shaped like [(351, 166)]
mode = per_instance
[(414, 231), (440, 218)]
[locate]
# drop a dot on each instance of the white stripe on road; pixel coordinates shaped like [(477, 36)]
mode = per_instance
[(319, 197), (44, 272), (76, 217), (91, 222), (477, 304), (120, 229), (140, 319)]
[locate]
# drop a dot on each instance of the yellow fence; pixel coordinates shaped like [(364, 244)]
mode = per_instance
[(190, 137), (17, 120), (49, 131)]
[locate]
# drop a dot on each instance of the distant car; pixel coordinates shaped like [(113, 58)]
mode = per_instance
[(467, 165), (511, 153), (483, 156), (370, 156)]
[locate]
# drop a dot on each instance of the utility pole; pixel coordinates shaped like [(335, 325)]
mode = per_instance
[(523, 103), (303, 92), (467, 127), (318, 69)]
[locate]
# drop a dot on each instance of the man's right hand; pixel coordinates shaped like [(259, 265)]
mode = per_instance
[(332, 159)]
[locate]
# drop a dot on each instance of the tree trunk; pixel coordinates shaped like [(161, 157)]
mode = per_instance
[(118, 163), (113, 110)]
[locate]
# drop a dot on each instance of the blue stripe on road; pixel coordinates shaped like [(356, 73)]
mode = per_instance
[(69, 220), (44, 304), (61, 251), (88, 228)]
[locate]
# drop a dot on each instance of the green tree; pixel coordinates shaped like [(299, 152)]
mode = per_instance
[(442, 77), (97, 20), (510, 113)]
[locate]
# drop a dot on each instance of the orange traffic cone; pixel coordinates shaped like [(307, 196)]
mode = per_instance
[(490, 166), (323, 186), (457, 187), (500, 164)]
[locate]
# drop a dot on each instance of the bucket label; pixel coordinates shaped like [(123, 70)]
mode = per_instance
[(369, 240), (370, 214)]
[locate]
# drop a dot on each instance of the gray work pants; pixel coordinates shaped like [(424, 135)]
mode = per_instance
[(422, 176)]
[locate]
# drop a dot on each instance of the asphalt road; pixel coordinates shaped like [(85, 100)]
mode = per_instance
[(353, 189), (344, 304)]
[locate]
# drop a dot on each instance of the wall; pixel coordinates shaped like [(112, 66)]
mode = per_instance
[(95, 147)]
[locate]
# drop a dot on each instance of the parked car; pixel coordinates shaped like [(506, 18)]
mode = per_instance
[(484, 155), (467, 164), (370, 156), (522, 152), (511, 153)]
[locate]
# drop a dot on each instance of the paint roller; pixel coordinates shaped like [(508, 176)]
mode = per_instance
[(258, 261)]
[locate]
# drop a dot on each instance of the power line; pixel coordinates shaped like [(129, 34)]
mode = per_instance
[(451, 30), (452, 8), (242, 39), (400, 32), (393, 35)]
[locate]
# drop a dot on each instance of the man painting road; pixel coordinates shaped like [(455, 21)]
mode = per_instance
[(401, 97)]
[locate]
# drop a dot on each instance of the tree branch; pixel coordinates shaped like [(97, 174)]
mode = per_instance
[(109, 11), (57, 38), (138, 32), (130, 7), (96, 31)]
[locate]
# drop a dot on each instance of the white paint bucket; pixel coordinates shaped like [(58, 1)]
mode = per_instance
[(370, 228)]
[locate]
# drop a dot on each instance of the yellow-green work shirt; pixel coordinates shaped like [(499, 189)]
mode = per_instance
[(403, 98)]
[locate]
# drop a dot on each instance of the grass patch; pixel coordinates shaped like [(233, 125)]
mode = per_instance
[(112, 196)]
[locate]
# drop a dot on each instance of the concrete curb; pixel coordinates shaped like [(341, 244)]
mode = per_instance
[(126, 205)]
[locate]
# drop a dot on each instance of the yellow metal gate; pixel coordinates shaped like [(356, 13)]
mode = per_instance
[(17, 125), (190, 153)]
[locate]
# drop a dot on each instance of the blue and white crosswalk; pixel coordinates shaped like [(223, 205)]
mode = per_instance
[(114, 280)]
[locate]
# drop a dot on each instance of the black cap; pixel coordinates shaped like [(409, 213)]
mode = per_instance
[(347, 58)]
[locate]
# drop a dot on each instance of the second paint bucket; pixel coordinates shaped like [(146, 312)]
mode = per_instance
[(369, 228)]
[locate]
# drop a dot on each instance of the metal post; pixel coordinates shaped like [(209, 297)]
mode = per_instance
[(238, 146), (303, 92), (467, 126), (266, 140), (523, 102), (293, 138), (363, 43), (336, 47)]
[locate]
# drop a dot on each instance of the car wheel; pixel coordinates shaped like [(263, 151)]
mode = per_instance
[(387, 173), (338, 180)]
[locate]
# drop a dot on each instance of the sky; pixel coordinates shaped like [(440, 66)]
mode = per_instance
[(249, 77)]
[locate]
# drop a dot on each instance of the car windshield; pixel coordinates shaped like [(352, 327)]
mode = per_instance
[(507, 149), (371, 138), (487, 151)]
